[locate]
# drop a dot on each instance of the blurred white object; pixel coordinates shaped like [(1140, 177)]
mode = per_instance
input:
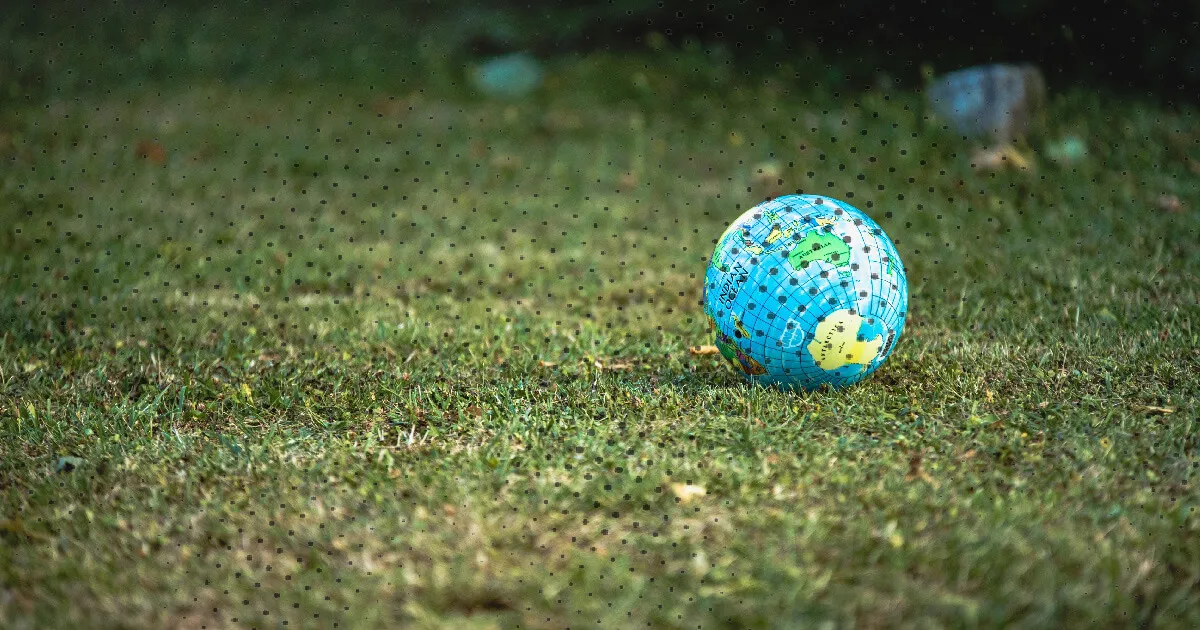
[(508, 76), (999, 103)]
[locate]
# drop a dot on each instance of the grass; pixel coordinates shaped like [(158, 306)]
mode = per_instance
[(376, 354)]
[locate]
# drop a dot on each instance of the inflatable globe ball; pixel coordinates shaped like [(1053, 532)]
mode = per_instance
[(804, 291)]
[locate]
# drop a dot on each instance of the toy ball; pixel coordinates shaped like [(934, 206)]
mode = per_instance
[(805, 291)]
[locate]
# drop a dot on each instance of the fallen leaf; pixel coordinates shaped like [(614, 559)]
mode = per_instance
[(614, 365), (999, 159), (1152, 410), (547, 363), (700, 351), (152, 151), (686, 491), (1170, 203), (475, 411)]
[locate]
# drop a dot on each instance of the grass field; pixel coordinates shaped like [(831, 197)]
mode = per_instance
[(379, 352)]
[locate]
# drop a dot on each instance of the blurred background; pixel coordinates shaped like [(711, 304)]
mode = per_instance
[(1129, 46), (404, 138)]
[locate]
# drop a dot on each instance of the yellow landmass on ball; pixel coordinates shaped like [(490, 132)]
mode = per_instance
[(835, 343)]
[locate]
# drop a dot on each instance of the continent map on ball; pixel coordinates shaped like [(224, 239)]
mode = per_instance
[(805, 291)]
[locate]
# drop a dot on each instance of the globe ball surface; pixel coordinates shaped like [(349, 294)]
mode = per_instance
[(804, 291)]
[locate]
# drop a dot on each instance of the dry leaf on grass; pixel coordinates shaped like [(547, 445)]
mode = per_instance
[(1170, 203), (617, 364), (686, 491), (700, 351), (999, 159), (1156, 411), (152, 151)]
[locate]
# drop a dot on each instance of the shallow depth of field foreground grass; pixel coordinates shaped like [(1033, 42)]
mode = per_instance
[(392, 354)]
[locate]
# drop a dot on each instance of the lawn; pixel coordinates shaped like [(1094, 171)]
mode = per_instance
[(320, 342)]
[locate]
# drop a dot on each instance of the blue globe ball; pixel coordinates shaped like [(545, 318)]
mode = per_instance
[(804, 291)]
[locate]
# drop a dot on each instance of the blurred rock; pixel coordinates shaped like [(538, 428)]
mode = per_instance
[(997, 103), (508, 76)]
